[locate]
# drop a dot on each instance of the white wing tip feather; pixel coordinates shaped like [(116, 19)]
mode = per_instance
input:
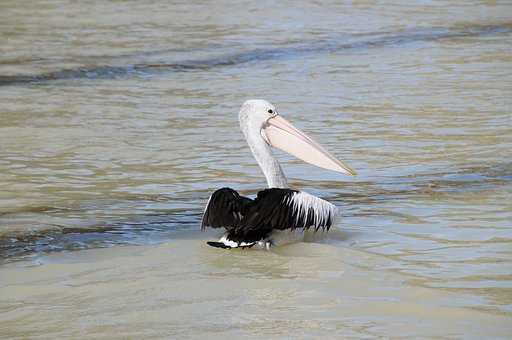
[(205, 208), (323, 210)]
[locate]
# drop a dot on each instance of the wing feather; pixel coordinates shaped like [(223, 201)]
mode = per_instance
[(282, 209), (225, 209)]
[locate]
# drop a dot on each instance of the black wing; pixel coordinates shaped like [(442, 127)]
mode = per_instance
[(225, 209), (282, 209)]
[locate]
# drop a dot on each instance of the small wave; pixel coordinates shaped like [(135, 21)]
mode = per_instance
[(376, 40), (51, 237)]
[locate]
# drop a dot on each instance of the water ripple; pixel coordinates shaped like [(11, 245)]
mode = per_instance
[(376, 40)]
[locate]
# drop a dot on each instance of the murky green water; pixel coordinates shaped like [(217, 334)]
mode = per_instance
[(118, 118)]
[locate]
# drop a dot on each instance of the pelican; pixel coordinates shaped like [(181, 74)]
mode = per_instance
[(277, 210)]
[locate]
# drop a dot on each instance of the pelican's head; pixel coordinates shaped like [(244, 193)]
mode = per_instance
[(259, 119), (255, 113)]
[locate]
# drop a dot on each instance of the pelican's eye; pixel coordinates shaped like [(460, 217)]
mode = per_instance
[(270, 111)]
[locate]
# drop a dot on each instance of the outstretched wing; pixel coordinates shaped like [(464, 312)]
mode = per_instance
[(225, 208), (283, 209)]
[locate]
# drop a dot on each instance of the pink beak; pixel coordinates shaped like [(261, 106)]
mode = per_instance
[(280, 133)]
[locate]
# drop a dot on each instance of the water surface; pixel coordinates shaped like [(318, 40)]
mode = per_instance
[(119, 118)]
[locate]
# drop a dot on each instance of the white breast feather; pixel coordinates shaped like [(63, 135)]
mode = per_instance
[(323, 210)]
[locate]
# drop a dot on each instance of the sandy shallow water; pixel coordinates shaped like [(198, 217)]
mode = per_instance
[(186, 289)]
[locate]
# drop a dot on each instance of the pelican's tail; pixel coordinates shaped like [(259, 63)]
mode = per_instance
[(226, 243)]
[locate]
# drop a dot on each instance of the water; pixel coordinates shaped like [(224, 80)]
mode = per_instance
[(118, 119)]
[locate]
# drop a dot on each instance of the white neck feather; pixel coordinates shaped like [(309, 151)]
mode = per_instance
[(263, 155)]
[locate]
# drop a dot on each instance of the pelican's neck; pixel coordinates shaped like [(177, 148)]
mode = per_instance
[(263, 155)]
